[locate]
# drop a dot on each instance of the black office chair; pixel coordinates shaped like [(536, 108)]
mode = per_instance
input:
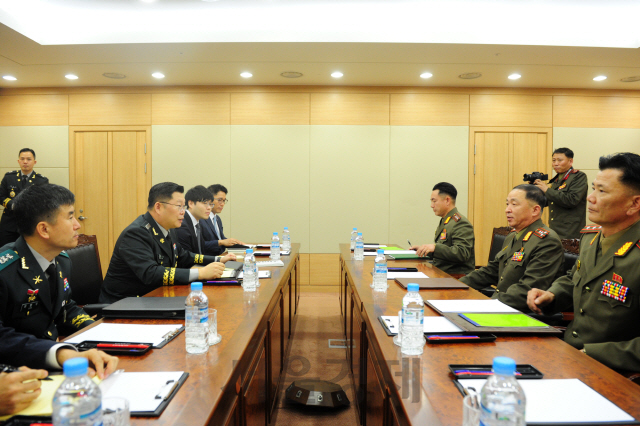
[(86, 274), (497, 239)]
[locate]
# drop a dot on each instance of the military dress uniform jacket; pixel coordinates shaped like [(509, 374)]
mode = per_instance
[(454, 252), (532, 261), (605, 296), (143, 260), (10, 187), (19, 349), (567, 198), (25, 295)]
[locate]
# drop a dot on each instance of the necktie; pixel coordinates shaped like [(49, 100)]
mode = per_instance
[(53, 283), (198, 238), (215, 226), (23, 180)]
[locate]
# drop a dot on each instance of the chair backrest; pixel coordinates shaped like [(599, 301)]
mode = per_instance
[(571, 253), (86, 273), (497, 239)]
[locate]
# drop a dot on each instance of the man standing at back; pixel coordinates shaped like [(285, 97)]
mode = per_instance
[(212, 230), (147, 254), (11, 185), (453, 248)]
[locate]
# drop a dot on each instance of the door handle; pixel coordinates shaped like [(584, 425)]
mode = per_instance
[(81, 218)]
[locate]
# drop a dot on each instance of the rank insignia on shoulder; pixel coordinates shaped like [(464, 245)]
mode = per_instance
[(590, 229), (526, 237), (624, 249), (518, 256), (443, 235), (147, 226), (616, 278), (7, 258), (447, 220), (563, 186), (456, 217), (614, 290), (541, 232)]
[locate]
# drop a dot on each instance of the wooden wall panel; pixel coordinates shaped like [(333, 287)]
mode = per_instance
[(429, 110), (510, 110), (109, 109), (34, 110), (191, 108), (598, 112), (304, 269), (324, 269), (354, 109), (269, 108)]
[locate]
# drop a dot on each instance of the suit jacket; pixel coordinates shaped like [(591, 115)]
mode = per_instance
[(605, 295), (19, 349), (187, 235), (567, 198), (25, 295), (211, 245), (533, 260), (454, 239), (10, 187), (143, 260)]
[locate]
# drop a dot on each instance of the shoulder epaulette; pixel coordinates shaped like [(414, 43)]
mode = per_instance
[(638, 244), (35, 175), (622, 251), (64, 254), (456, 217), (7, 257), (541, 233), (11, 172), (589, 229), (574, 171)]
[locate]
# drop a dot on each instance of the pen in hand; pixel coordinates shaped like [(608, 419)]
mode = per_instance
[(410, 245)]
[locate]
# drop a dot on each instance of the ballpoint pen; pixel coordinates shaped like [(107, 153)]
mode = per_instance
[(410, 245)]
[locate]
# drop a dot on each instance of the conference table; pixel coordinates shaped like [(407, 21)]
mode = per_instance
[(395, 389), (237, 381)]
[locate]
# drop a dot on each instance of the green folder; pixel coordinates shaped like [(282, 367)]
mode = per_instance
[(406, 256), (391, 248), (502, 320)]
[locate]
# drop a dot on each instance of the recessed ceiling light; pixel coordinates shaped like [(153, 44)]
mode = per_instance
[(470, 75), (600, 78), (9, 77), (71, 77), (336, 74), (246, 74), (157, 75), (426, 75), (514, 76)]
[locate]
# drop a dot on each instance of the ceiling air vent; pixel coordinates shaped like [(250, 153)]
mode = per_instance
[(630, 79), (470, 75), (291, 74), (115, 75)]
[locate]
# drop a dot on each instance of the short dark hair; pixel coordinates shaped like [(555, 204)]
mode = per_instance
[(198, 193), (533, 193), (163, 192), (27, 150), (445, 188), (628, 163), (217, 188), (40, 203), (565, 151)]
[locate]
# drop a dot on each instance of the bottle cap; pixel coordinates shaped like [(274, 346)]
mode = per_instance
[(504, 365), (286, 228), (75, 367), (380, 251), (413, 287), (275, 233), (249, 251), (359, 234), (196, 286), (355, 229)]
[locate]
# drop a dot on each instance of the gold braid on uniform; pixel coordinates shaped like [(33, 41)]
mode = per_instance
[(165, 276), (80, 319), (5, 202), (172, 276), (199, 258)]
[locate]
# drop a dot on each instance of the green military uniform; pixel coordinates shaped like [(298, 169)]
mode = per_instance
[(568, 203), (604, 290), (10, 187), (532, 258), (454, 252)]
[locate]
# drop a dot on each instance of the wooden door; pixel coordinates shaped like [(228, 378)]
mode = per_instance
[(500, 158), (110, 176)]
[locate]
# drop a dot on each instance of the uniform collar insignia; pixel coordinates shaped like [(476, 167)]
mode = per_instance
[(526, 237), (154, 231), (624, 249), (24, 263), (447, 220), (37, 280), (162, 240)]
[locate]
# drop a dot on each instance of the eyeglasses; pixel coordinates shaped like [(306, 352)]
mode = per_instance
[(179, 206), (222, 200)]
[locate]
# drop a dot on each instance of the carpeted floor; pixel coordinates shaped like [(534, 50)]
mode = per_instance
[(312, 358)]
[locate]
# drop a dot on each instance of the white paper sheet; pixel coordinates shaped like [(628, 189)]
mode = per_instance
[(134, 333), (399, 252), (393, 275), (265, 263), (261, 274), (373, 245), (563, 401), (431, 325), (139, 388), (472, 306)]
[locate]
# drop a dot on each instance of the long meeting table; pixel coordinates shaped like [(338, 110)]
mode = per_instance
[(394, 389)]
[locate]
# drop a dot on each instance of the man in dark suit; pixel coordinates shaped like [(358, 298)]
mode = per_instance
[(212, 229), (147, 254), (11, 185), (199, 201)]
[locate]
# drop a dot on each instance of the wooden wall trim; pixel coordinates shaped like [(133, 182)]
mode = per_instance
[(29, 110)]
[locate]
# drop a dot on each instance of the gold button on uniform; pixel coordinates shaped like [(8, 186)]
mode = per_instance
[(49, 333), (582, 311)]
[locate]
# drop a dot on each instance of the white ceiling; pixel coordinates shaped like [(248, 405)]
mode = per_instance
[(555, 44)]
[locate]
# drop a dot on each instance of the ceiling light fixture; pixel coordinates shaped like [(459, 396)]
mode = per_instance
[(246, 74), (514, 76), (157, 75), (336, 74), (9, 77), (470, 75), (426, 75), (71, 77), (600, 78)]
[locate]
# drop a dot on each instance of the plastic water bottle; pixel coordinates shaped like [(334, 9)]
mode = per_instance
[(412, 321), (286, 239), (249, 276), (78, 400), (502, 400), (354, 234), (253, 260), (358, 252), (380, 272), (196, 313), (397, 339), (275, 247)]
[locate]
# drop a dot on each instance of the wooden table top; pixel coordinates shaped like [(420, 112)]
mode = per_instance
[(440, 401), (240, 314)]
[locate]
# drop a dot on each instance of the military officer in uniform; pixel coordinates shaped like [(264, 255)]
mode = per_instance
[(567, 195), (453, 248), (35, 296), (531, 255), (11, 185), (603, 288), (147, 254)]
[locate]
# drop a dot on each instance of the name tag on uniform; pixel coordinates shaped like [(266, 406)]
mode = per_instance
[(28, 306), (518, 256)]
